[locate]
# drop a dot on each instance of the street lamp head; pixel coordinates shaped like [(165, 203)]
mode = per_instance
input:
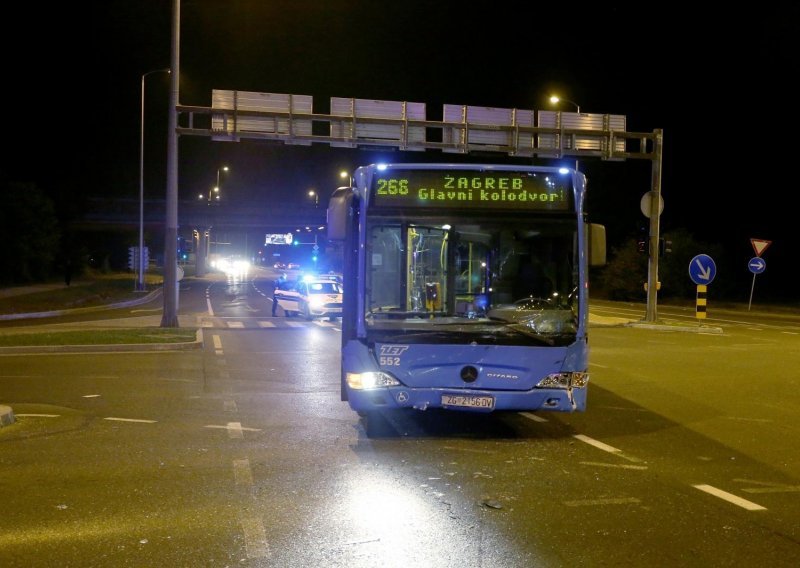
[(555, 99)]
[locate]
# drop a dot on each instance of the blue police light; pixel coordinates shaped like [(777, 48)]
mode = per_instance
[(381, 167), (563, 170), (295, 243), (314, 258)]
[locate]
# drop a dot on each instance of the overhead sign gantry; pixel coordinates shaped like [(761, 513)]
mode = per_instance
[(362, 123)]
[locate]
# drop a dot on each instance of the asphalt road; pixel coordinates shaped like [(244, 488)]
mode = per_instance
[(242, 454)]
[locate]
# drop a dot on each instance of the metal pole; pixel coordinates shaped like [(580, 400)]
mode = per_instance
[(140, 285), (752, 287), (574, 145), (169, 317), (655, 205)]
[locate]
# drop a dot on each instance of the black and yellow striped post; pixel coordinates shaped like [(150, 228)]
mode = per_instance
[(700, 309)]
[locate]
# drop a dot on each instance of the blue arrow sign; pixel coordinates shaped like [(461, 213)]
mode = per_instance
[(757, 265), (702, 269)]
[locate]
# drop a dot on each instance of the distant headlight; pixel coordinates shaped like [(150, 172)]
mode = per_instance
[(371, 380)]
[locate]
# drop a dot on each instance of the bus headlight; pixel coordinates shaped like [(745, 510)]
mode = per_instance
[(575, 379), (370, 380)]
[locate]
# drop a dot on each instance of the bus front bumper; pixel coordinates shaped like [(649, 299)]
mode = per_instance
[(553, 399)]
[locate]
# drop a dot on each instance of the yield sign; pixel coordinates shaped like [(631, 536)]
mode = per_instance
[(759, 245)]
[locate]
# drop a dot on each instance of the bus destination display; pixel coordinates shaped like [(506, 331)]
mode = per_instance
[(472, 189)]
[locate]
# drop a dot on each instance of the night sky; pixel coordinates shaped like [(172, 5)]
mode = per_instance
[(719, 83)]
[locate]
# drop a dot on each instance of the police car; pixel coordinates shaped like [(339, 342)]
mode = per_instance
[(311, 297)]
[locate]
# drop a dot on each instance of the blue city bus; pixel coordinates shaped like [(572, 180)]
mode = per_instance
[(465, 287)]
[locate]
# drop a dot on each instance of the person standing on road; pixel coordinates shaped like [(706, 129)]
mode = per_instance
[(277, 285)]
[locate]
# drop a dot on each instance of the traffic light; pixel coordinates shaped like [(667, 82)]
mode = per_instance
[(641, 245), (664, 246)]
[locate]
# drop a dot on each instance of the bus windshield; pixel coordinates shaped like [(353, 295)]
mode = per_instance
[(474, 278)]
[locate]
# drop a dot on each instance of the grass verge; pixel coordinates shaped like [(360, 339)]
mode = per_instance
[(94, 290), (100, 337)]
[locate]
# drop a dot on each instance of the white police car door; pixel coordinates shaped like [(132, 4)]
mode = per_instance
[(289, 297)]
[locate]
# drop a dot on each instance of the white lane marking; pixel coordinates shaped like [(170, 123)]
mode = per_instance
[(230, 406), (605, 447), (323, 323), (91, 395), (235, 430), (255, 537), (730, 498), (210, 309), (242, 472), (38, 415), (616, 465), (226, 427), (217, 341), (533, 417), (743, 419), (598, 366), (130, 420), (266, 324), (790, 332), (768, 487), (295, 324), (597, 444), (617, 501), (236, 324)]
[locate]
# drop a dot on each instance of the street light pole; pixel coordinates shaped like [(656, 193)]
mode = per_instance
[(140, 286), (223, 168), (315, 195), (214, 193), (555, 99)]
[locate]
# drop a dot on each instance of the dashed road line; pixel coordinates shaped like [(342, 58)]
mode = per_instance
[(238, 428), (730, 498), (532, 416), (37, 415), (614, 465), (595, 502), (255, 537), (242, 472), (605, 447), (115, 419)]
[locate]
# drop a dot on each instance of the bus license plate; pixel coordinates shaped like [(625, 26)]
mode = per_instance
[(486, 402)]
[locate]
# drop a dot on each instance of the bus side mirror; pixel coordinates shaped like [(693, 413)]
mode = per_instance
[(597, 244), (337, 213)]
